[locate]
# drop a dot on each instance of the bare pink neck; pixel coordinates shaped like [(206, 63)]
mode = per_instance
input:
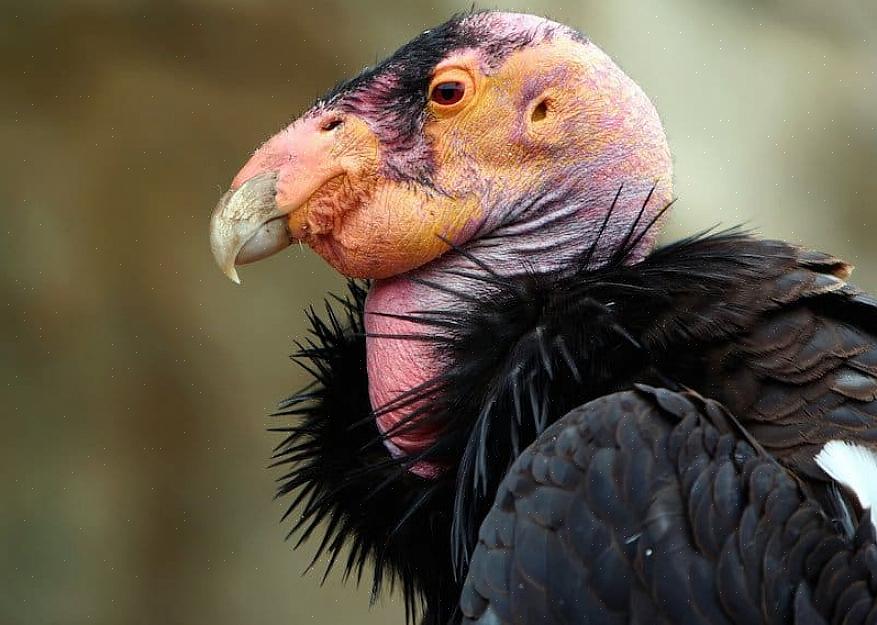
[(396, 365)]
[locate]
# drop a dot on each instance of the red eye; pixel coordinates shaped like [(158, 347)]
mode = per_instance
[(446, 93)]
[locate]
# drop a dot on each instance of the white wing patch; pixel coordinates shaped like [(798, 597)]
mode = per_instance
[(855, 467)]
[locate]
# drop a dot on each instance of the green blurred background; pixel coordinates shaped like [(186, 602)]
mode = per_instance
[(136, 377)]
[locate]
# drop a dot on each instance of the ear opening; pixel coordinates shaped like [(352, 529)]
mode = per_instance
[(540, 111)]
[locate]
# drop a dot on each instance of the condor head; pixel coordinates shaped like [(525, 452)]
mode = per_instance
[(490, 126)]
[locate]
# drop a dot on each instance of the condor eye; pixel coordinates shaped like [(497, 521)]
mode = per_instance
[(446, 93)]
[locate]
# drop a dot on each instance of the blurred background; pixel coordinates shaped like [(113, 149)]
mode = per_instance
[(135, 377)]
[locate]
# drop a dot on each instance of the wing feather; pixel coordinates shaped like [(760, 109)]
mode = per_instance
[(706, 531)]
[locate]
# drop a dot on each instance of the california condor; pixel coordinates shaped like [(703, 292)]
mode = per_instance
[(522, 411)]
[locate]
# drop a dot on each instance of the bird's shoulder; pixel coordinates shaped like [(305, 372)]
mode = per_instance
[(790, 347)]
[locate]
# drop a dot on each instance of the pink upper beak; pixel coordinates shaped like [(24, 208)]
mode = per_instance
[(250, 222)]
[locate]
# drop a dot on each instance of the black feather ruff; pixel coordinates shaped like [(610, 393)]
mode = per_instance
[(340, 474), (518, 360)]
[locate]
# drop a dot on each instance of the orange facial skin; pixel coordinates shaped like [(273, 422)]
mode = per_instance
[(515, 130), (367, 226), (547, 112)]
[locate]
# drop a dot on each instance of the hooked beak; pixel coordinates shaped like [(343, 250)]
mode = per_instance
[(266, 208), (247, 225)]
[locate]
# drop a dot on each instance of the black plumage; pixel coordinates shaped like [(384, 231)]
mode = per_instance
[(773, 332), (635, 508)]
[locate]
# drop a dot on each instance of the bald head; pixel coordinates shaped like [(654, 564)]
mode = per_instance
[(394, 95), (492, 125)]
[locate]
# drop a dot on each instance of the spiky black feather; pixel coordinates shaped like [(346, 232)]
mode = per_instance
[(342, 478), (519, 359)]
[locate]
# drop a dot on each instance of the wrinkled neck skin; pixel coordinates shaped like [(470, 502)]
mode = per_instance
[(543, 236)]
